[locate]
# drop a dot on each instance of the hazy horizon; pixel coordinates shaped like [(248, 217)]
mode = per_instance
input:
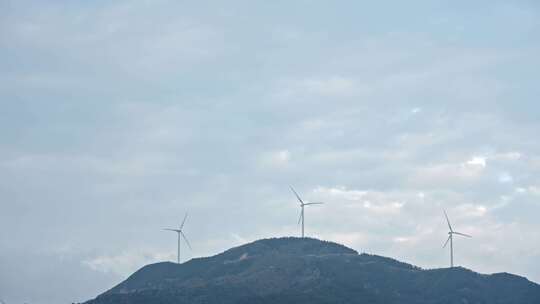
[(119, 117)]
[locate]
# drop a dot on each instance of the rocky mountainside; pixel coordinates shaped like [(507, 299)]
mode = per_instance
[(295, 270)]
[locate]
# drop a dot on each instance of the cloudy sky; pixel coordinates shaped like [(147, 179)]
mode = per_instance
[(117, 117)]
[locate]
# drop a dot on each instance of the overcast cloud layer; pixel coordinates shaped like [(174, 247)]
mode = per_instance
[(118, 117)]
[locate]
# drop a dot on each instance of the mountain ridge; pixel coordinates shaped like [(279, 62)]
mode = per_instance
[(302, 270)]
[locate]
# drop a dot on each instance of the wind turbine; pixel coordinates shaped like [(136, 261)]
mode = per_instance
[(180, 234), (302, 205), (451, 239)]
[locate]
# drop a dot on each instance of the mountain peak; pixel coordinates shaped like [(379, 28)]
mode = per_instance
[(288, 246)]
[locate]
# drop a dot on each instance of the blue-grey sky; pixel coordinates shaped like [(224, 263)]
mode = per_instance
[(117, 117)]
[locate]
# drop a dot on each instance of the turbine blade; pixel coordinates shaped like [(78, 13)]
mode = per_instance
[(185, 239), (446, 243), (297, 196), (175, 230), (448, 221), (300, 218), (183, 222), (317, 203), (463, 234)]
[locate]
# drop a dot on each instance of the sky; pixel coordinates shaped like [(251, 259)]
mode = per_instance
[(118, 117)]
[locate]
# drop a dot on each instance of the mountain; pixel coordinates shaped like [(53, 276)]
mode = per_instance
[(296, 270)]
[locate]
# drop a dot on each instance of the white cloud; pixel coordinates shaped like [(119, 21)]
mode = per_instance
[(276, 159), (477, 161), (471, 210), (341, 192), (416, 110), (520, 190), (126, 262), (512, 156), (383, 208), (283, 156), (372, 201), (505, 178), (239, 240), (402, 239), (534, 190), (448, 173)]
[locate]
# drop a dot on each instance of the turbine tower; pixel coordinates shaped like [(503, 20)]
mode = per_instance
[(302, 205), (451, 239), (180, 235)]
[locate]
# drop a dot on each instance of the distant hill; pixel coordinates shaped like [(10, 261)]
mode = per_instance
[(297, 271)]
